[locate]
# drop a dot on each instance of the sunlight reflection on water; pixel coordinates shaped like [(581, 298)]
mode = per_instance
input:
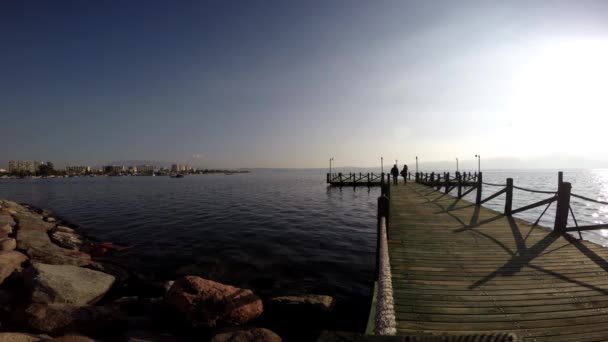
[(588, 183)]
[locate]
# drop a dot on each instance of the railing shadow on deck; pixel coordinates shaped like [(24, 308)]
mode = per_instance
[(524, 256)]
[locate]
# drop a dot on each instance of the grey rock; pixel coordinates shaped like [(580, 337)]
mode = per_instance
[(50, 219), (5, 230), (66, 284), (6, 218), (18, 337), (66, 240), (310, 302), (33, 238), (57, 319), (64, 229), (121, 274), (73, 338)]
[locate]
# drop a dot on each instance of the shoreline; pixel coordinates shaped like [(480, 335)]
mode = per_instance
[(46, 272)]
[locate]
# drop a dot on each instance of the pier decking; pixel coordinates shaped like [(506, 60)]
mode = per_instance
[(464, 269)]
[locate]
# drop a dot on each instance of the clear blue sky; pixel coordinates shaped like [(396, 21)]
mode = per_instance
[(290, 84)]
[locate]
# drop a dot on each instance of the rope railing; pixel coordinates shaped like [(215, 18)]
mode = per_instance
[(534, 191), (385, 322), (588, 199), (475, 182), (492, 184)]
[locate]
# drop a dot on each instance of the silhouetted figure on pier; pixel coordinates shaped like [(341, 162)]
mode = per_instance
[(404, 173), (395, 174)]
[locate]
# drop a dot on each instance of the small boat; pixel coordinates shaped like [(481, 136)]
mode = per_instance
[(177, 176)]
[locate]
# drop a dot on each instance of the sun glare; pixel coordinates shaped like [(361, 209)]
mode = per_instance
[(561, 90)]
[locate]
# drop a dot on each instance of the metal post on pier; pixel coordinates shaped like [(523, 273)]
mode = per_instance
[(478, 198), (447, 182), (560, 178), (509, 197), (563, 205)]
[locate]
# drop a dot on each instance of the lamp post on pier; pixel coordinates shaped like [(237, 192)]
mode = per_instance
[(381, 165), (478, 162), (330, 160), (456, 164), (416, 164)]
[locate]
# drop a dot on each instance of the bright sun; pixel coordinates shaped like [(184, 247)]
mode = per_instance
[(563, 91)]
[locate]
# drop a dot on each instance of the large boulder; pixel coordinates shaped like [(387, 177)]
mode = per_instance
[(73, 338), (66, 240), (208, 303), (58, 319), (66, 284), (18, 337), (309, 302), (6, 224), (247, 335), (9, 262), (7, 244), (33, 238)]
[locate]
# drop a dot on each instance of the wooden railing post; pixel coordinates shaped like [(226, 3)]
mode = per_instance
[(563, 205), (340, 177), (459, 185), (509, 197), (328, 177), (447, 182), (478, 198), (438, 182)]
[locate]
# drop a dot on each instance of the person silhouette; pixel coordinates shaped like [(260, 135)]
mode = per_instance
[(404, 173), (395, 174)]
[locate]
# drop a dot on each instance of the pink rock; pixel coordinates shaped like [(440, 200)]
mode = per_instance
[(7, 244), (9, 262), (208, 303)]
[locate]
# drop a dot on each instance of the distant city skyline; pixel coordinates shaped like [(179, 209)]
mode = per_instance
[(238, 84)]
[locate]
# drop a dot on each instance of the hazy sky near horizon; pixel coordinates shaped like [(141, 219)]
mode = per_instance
[(290, 84)]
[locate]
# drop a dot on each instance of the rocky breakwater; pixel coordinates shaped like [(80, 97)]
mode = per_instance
[(56, 285)]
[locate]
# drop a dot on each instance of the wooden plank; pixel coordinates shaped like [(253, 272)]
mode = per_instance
[(461, 269)]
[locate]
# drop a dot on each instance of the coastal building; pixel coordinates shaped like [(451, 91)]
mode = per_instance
[(77, 170), (19, 166), (145, 169), (180, 168)]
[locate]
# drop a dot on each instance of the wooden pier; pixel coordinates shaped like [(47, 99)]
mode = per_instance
[(459, 268), (354, 179)]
